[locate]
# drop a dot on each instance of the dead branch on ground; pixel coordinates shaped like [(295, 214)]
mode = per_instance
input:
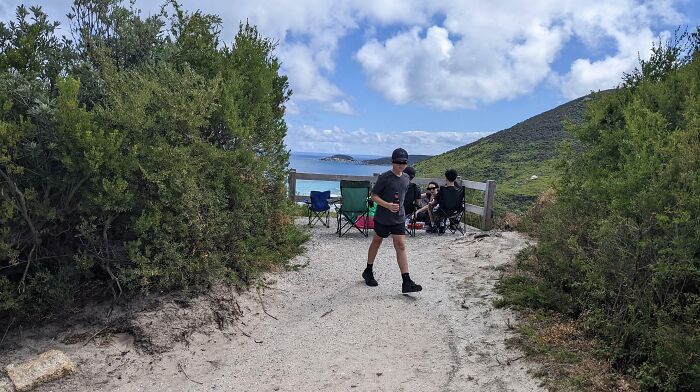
[(179, 365)]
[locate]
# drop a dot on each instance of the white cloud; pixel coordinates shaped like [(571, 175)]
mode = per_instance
[(360, 141), (451, 54), (490, 51), (342, 107), (309, 82), (627, 25), (445, 54), (445, 73)]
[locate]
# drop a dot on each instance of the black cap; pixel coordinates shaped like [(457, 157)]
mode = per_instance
[(399, 156), (410, 171)]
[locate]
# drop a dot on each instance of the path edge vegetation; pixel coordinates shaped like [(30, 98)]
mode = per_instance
[(138, 155), (617, 260)]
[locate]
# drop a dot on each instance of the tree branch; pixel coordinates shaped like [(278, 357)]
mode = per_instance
[(106, 261), (25, 215)]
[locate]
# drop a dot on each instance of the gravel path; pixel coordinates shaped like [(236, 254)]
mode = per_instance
[(320, 328)]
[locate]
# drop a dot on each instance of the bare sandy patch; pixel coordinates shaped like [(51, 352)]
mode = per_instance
[(317, 328)]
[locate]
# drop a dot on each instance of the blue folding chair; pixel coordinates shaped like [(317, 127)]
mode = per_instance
[(319, 207)]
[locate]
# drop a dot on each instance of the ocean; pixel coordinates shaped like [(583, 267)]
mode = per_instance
[(310, 162)]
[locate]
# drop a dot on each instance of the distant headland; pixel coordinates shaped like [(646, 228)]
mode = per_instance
[(413, 159)]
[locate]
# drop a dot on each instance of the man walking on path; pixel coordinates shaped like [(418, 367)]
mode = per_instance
[(388, 193)]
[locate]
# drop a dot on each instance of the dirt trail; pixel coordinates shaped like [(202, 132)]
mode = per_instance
[(320, 328)]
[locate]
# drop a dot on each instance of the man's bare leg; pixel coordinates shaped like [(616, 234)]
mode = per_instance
[(400, 247), (374, 248), (431, 218)]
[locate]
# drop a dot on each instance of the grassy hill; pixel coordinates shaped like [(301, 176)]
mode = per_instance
[(512, 156)]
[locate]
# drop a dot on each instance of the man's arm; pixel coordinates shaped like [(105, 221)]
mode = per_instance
[(389, 206), (425, 207)]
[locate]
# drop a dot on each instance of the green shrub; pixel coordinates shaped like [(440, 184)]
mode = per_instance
[(523, 291), (621, 243), (135, 160)]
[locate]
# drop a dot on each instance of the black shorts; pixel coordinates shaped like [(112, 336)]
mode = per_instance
[(384, 230)]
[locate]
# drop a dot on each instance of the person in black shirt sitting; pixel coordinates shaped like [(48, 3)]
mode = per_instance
[(440, 212)]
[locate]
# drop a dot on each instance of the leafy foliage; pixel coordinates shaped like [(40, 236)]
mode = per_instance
[(622, 239), (135, 160)]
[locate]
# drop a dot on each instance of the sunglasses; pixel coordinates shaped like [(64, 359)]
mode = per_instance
[(430, 189), (399, 163)]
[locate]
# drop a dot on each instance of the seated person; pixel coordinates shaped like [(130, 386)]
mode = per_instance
[(438, 214), (428, 201), (413, 194)]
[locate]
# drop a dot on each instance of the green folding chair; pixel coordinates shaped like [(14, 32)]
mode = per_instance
[(355, 195)]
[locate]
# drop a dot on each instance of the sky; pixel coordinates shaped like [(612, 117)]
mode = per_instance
[(429, 76)]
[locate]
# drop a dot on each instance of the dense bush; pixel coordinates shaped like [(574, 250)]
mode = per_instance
[(622, 239), (140, 155)]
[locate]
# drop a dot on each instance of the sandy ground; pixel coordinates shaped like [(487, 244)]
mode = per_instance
[(320, 328)]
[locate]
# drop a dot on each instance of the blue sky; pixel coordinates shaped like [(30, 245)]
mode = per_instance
[(429, 76)]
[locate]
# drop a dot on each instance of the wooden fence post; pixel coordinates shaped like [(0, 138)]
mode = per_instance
[(489, 193), (292, 182)]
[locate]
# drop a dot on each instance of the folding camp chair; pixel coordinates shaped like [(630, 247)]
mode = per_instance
[(319, 207), (355, 195), (450, 211)]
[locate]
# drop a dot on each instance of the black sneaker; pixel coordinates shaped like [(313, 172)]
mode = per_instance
[(368, 276), (410, 287)]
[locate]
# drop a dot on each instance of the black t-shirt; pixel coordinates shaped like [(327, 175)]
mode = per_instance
[(387, 185), (412, 194), (455, 188)]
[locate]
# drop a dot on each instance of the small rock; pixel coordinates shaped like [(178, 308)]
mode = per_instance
[(48, 366), (533, 177), (379, 374)]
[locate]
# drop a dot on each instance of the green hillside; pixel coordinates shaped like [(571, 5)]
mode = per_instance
[(512, 156)]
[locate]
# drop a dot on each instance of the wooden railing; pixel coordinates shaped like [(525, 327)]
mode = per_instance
[(485, 211)]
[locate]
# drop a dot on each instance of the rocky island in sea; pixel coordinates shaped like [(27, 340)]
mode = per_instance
[(340, 158)]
